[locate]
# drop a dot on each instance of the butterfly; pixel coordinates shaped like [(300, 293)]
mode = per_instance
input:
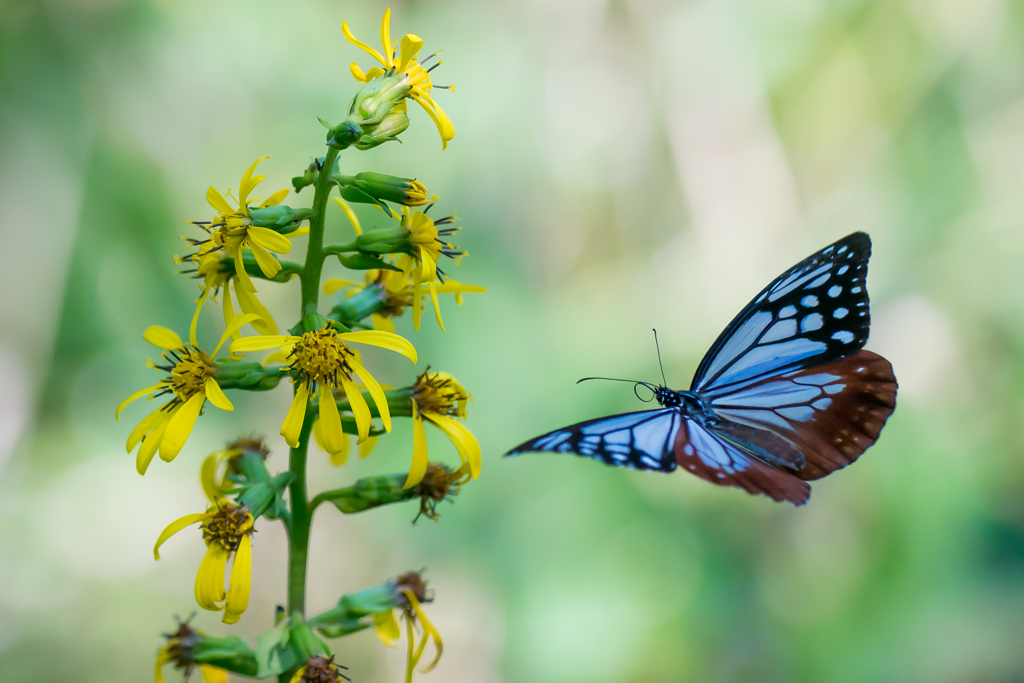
[(786, 394)]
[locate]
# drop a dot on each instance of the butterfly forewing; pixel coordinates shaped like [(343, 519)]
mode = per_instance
[(814, 313), (829, 413), (642, 440)]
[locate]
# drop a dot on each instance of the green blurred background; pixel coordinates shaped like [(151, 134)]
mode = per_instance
[(619, 165)]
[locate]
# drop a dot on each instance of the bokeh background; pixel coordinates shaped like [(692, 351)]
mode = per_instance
[(619, 165)]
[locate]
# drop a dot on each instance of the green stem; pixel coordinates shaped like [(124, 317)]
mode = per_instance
[(315, 252)]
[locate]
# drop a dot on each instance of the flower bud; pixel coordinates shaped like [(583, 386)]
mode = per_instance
[(262, 494), (385, 241), (188, 648), (393, 124), (377, 98), (280, 218), (373, 188), (240, 374)]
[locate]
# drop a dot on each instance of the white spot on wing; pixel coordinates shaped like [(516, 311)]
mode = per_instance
[(811, 323)]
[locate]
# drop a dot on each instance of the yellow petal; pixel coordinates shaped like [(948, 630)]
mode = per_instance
[(195, 316), (366, 447), (152, 441), (180, 426), (358, 74), (419, 449), (386, 340), (250, 304), (262, 343), (210, 578), (216, 395), (292, 427), (137, 395), (334, 439), (466, 444), (387, 628), (174, 527), (351, 215), (437, 306), (357, 404), (269, 239), (212, 674), (208, 476), (358, 43), (417, 305), (241, 580), (382, 323), (217, 201), (162, 658), (375, 392), (229, 309), (275, 199), (242, 277), (164, 338), (385, 38), (334, 284), (410, 45), (441, 120), (248, 182), (269, 265), (236, 323)]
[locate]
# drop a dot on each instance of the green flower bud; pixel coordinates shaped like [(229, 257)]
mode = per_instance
[(385, 241), (240, 374), (373, 188), (188, 648), (257, 490), (280, 218), (354, 611), (389, 129), (377, 98)]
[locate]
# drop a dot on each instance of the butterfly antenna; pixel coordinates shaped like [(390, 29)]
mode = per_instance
[(611, 379), (656, 346)]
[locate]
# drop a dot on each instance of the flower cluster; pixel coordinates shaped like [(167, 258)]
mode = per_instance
[(336, 398)]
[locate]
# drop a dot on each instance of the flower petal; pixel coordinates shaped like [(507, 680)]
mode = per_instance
[(437, 307), (350, 214), (366, 447), (164, 338), (236, 323), (216, 395), (375, 392), (212, 674), (250, 304), (269, 265), (242, 277), (269, 239), (210, 578), (465, 442), (382, 323), (275, 199), (176, 526), (334, 284), (292, 427), (261, 343), (241, 581), (217, 201), (387, 628), (180, 426), (386, 340), (248, 182), (209, 476), (357, 404), (441, 120), (137, 395), (410, 45), (334, 439), (358, 43), (152, 441), (419, 449)]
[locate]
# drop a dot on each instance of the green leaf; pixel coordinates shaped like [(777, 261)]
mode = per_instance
[(273, 655)]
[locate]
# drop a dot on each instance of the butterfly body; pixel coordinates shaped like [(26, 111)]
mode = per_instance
[(785, 395)]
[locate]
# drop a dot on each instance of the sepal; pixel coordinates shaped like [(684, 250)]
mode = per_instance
[(365, 262), (258, 490), (240, 374), (371, 492), (280, 218)]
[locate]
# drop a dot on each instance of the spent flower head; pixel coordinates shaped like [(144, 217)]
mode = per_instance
[(180, 650)]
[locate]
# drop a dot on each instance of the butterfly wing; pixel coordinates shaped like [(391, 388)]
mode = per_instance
[(727, 461), (642, 440), (815, 313), (827, 414)]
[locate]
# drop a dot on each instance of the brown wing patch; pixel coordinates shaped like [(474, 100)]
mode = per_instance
[(835, 420)]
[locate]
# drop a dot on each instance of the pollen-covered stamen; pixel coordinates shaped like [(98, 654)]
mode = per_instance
[(322, 670), (320, 357), (227, 526), (439, 393), (189, 373)]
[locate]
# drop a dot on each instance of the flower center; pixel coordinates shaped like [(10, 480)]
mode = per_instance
[(439, 393), (227, 526), (321, 670), (191, 371), (321, 357)]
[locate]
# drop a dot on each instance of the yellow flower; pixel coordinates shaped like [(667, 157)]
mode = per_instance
[(323, 360), (233, 231), (226, 531), (189, 382), (414, 589), (429, 244), (404, 60), (218, 465), (397, 291), (438, 399), (179, 649), (340, 457)]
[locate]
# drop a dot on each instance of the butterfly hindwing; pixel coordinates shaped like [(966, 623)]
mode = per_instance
[(642, 440), (829, 413), (719, 459), (814, 313)]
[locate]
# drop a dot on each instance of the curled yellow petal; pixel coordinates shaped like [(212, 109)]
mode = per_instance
[(249, 182), (360, 44), (174, 527), (210, 578), (366, 447), (212, 674), (375, 392), (250, 304), (151, 442), (236, 324), (419, 449), (269, 239), (357, 404), (164, 338), (465, 443), (292, 427), (387, 628), (334, 439), (241, 580), (269, 265), (180, 427)]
